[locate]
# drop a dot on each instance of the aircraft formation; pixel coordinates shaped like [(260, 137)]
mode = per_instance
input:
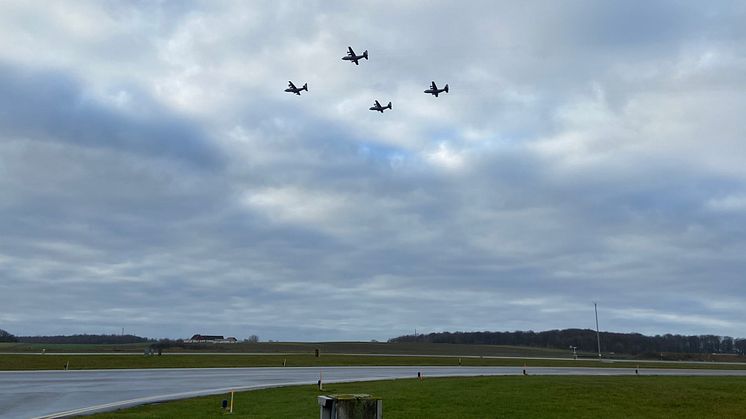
[(352, 57)]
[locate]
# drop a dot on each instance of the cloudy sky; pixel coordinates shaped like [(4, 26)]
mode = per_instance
[(155, 177)]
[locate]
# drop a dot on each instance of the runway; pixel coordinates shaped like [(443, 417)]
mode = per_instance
[(52, 394)]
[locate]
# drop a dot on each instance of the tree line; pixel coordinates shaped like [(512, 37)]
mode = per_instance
[(7, 337), (585, 340), (106, 340), (85, 339)]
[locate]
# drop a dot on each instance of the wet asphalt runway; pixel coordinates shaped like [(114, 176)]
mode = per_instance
[(32, 394)]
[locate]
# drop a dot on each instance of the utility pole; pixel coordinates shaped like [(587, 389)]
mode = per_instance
[(598, 334)]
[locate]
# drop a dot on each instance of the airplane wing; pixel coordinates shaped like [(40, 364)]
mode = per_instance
[(292, 86), (433, 86), (378, 105), (350, 52)]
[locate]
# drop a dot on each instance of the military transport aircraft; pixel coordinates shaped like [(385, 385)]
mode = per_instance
[(292, 89), (433, 90), (377, 107), (354, 58)]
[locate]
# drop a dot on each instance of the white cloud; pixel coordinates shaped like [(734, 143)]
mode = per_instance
[(730, 203), (445, 157), (294, 205), (648, 315)]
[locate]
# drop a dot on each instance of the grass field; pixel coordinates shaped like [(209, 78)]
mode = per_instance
[(306, 348), (70, 347), (78, 362), (338, 348), (487, 397)]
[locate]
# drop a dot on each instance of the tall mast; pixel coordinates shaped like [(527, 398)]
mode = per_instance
[(598, 335)]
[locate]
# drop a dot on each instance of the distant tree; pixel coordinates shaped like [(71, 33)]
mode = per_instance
[(585, 340), (252, 339), (7, 337), (169, 343), (740, 346), (726, 345), (85, 339)]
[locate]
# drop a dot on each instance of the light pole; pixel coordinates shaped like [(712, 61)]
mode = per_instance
[(598, 335)]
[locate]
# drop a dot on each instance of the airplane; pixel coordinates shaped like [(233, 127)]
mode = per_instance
[(354, 58), (292, 89), (377, 107), (433, 90)]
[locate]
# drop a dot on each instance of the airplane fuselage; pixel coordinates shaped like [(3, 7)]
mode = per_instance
[(354, 59), (293, 89), (351, 56), (435, 92), (379, 108)]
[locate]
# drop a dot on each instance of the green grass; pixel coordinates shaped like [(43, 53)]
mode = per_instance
[(71, 347), (306, 348), (338, 348), (85, 362), (487, 397)]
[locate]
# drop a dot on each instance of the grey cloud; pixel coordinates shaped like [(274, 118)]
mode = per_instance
[(53, 106)]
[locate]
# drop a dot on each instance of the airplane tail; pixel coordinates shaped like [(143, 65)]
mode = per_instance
[(305, 87), (446, 88), (365, 54), (389, 105)]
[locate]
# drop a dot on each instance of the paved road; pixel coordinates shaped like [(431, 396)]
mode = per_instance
[(31, 394)]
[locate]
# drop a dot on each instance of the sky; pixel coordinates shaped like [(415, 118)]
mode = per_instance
[(155, 178)]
